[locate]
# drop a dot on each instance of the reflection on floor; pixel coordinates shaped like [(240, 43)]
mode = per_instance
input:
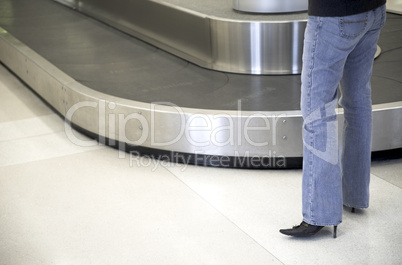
[(61, 203)]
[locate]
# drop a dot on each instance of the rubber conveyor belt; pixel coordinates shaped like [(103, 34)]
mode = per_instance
[(141, 98)]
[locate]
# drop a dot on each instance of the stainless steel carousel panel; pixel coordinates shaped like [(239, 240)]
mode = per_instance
[(270, 6), (210, 35), (138, 98)]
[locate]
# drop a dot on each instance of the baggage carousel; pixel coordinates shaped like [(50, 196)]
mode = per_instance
[(190, 86)]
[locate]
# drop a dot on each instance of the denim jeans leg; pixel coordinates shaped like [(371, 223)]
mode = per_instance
[(357, 105), (331, 45), (322, 70)]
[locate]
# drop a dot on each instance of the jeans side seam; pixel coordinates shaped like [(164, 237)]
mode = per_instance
[(311, 140)]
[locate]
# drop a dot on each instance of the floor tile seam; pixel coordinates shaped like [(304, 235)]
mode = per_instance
[(224, 216), (50, 132), (36, 117), (50, 158), (385, 180), (31, 137)]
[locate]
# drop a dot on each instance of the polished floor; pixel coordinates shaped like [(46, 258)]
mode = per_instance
[(64, 203)]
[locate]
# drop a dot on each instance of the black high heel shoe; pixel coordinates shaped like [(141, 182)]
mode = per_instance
[(304, 230)]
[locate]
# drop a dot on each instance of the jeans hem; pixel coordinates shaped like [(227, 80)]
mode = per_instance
[(357, 207), (322, 224)]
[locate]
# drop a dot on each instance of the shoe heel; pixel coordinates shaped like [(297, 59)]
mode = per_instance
[(353, 209), (335, 228)]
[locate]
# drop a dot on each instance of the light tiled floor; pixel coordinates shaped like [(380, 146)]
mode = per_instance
[(65, 204)]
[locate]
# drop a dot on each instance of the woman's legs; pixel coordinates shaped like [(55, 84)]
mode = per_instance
[(337, 49)]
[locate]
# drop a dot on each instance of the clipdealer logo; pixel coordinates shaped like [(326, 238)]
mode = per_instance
[(200, 131)]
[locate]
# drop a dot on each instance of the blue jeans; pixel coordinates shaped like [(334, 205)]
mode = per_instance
[(337, 50)]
